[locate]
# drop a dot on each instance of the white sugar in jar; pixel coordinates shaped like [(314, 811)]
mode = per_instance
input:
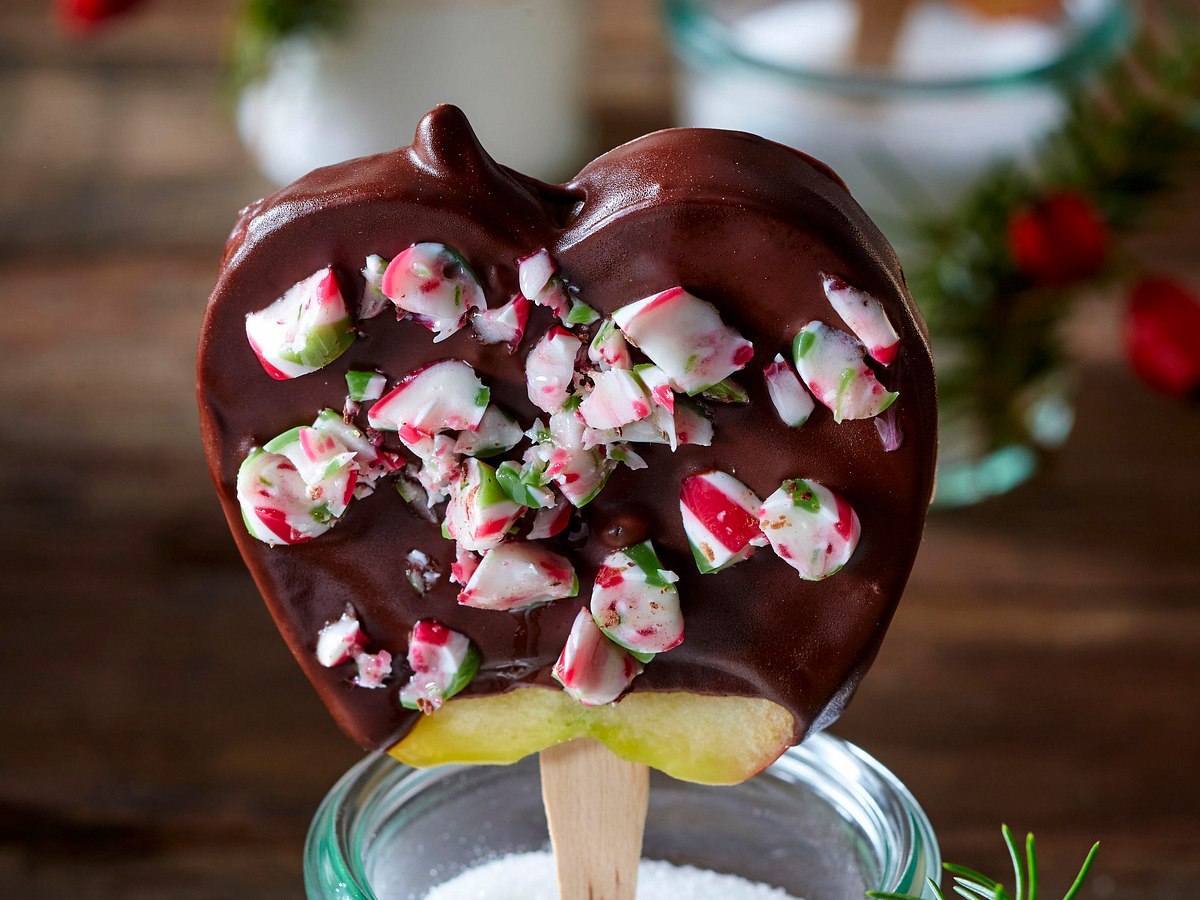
[(825, 822)]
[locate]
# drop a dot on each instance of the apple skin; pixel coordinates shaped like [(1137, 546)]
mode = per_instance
[(671, 732)]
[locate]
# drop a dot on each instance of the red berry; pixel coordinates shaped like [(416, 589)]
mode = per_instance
[(1060, 240), (85, 15), (1162, 336)]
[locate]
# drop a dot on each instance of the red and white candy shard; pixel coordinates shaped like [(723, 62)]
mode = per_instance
[(479, 513), (304, 330), (421, 571), (464, 565), (579, 474), (503, 325), (890, 432), (831, 363), (635, 602), (441, 464), (331, 421), (373, 302), (550, 369), (685, 337), (608, 349), (657, 428), (617, 398), (497, 432), (373, 669), (534, 272), (443, 663), (435, 286), (317, 454), (278, 507), (865, 316), (445, 395), (692, 426), (720, 519), (810, 527), (658, 384), (551, 520), (517, 575), (591, 668), (792, 401), (340, 640)]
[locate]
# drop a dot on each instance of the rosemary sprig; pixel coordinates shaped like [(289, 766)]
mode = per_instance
[(974, 885)]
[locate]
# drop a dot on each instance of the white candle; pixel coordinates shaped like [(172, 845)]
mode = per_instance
[(530, 876), (939, 139), (512, 65)]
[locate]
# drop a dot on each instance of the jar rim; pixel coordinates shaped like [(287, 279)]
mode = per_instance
[(701, 38), (853, 783)]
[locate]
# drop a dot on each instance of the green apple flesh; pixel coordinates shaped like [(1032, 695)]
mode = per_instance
[(709, 740)]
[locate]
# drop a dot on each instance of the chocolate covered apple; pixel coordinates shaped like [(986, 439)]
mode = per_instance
[(643, 457)]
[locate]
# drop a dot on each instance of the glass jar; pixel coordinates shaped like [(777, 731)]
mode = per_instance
[(825, 822), (963, 93)]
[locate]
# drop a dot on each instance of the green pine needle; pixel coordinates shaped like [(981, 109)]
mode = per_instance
[(972, 885)]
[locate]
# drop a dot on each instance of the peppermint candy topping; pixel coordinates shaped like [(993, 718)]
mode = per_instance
[(865, 316), (435, 287), (635, 603), (591, 668), (304, 330), (831, 364), (810, 527), (443, 663), (720, 519)]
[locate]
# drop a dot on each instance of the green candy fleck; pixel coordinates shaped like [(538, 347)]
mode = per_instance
[(483, 396), (356, 384), (321, 514), (647, 560), (727, 391), (581, 314), (802, 495), (641, 655), (803, 343), (285, 440), (325, 344)]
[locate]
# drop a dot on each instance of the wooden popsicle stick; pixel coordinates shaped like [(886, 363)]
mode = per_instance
[(879, 25), (596, 808)]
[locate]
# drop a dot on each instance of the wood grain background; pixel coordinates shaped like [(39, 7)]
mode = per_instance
[(157, 741)]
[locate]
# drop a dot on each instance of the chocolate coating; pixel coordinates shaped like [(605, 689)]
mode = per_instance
[(743, 223)]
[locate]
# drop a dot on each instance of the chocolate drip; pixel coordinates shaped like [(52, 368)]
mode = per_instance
[(743, 223)]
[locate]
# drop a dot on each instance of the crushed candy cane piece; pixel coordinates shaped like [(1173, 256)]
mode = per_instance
[(635, 602), (581, 314), (525, 484), (556, 297), (373, 301), (421, 571), (534, 271), (591, 668), (340, 640), (865, 316), (692, 426), (550, 369), (720, 519), (443, 663), (608, 349), (278, 507), (792, 401), (685, 337), (373, 669), (435, 286), (445, 395), (304, 330), (617, 398), (497, 432), (503, 325), (727, 391), (890, 432), (364, 386), (831, 363), (464, 565), (810, 527), (550, 520), (518, 575), (317, 454), (658, 384), (479, 513)]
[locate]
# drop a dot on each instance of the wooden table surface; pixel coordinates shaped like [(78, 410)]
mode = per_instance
[(159, 742)]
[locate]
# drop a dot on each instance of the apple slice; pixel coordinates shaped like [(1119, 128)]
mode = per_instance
[(304, 330), (445, 395), (692, 737), (435, 286), (685, 337), (443, 663), (550, 369), (591, 668), (503, 325), (810, 527), (518, 575), (793, 403), (479, 513), (865, 316), (635, 602), (831, 363)]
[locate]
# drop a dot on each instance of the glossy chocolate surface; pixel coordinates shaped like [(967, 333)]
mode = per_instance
[(743, 223)]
